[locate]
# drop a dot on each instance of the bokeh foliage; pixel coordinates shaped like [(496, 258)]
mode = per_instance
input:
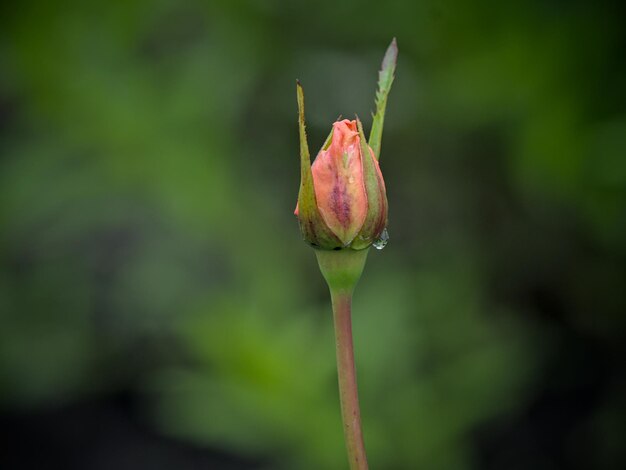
[(148, 176)]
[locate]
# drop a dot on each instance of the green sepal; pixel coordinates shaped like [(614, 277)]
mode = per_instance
[(385, 79), (328, 140), (314, 229), (376, 218)]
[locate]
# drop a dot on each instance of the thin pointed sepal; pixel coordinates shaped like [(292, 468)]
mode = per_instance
[(314, 229)]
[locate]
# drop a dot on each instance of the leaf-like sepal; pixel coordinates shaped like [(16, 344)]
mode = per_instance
[(385, 79)]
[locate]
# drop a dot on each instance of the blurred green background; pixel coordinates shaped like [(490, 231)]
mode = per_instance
[(159, 310)]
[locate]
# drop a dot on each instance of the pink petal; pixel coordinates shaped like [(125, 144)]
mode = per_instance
[(338, 182)]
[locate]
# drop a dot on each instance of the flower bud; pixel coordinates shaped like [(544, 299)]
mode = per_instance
[(342, 201)]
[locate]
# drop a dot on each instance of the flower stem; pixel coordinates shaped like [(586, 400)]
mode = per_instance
[(342, 270), (348, 395)]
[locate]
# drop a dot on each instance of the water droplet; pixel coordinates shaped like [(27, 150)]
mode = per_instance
[(382, 240)]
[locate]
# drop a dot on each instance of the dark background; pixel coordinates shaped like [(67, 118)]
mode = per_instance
[(158, 309)]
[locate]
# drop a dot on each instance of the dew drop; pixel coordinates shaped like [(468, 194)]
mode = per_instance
[(382, 240)]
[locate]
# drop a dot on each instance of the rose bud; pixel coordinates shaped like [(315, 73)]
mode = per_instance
[(342, 201)]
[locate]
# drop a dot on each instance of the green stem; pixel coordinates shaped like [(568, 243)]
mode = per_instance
[(348, 394), (342, 270)]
